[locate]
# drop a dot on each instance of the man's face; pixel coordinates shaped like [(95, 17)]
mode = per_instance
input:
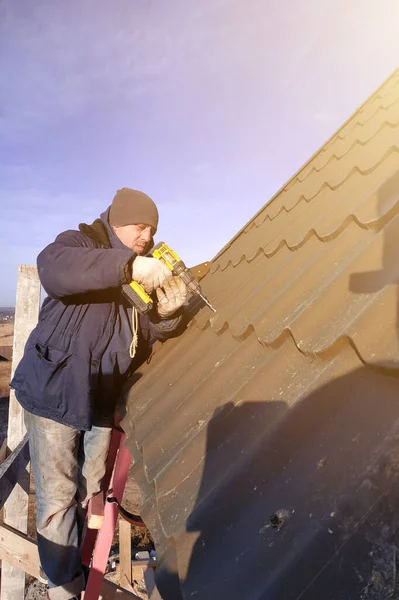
[(136, 237)]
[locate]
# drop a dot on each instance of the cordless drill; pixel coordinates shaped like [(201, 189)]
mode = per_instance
[(136, 293)]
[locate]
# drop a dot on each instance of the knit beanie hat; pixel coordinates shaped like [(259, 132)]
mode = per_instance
[(132, 207)]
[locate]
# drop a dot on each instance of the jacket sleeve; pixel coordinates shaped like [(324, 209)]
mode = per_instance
[(68, 266)]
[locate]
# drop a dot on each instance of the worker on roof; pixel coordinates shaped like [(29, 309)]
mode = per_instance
[(75, 362)]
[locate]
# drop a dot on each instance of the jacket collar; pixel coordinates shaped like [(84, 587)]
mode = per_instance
[(97, 232)]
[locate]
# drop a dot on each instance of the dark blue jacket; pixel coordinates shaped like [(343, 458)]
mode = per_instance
[(59, 376)]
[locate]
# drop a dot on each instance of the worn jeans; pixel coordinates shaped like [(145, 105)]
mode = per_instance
[(68, 467)]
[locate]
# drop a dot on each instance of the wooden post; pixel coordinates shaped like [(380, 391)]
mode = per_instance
[(125, 553), (16, 508)]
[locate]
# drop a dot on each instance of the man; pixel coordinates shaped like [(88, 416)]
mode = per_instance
[(87, 342)]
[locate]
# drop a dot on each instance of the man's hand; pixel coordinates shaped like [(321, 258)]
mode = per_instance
[(150, 273), (172, 297)]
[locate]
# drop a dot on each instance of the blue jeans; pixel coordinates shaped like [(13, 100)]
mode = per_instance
[(68, 467)]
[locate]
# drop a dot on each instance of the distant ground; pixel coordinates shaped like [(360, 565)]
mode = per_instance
[(6, 336), (7, 314)]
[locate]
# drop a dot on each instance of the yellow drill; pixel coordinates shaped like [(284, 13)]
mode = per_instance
[(136, 293)]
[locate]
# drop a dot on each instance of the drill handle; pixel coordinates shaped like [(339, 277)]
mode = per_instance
[(137, 296)]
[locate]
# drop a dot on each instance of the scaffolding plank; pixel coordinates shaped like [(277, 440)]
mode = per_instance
[(12, 469)]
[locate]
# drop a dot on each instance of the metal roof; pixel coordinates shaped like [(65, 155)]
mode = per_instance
[(265, 438)]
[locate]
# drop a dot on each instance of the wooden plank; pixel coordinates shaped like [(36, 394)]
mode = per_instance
[(111, 591), (16, 507), (12, 469), (125, 584), (3, 451), (152, 589), (139, 566), (137, 574), (22, 552), (19, 551), (125, 550), (95, 513)]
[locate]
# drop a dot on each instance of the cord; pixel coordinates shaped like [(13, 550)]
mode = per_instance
[(135, 329)]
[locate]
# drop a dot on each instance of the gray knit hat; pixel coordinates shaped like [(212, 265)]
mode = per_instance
[(132, 207)]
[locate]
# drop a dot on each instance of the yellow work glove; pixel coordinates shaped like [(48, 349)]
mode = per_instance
[(171, 297)]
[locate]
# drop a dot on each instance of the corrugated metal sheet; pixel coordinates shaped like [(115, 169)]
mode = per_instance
[(265, 438)]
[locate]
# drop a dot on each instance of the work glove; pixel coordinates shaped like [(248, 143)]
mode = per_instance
[(151, 273), (171, 297)]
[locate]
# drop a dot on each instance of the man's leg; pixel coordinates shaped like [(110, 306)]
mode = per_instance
[(54, 457), (93, 453)]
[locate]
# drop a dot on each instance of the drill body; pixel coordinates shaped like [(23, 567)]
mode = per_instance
[(137, 295)]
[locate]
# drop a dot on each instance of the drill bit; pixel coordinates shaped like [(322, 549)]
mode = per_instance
[(207, 302), (195, 288)]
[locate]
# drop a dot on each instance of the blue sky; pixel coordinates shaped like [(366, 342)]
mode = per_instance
[(208, 106)]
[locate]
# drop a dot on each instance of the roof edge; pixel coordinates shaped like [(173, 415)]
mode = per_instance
[(280, 190)]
